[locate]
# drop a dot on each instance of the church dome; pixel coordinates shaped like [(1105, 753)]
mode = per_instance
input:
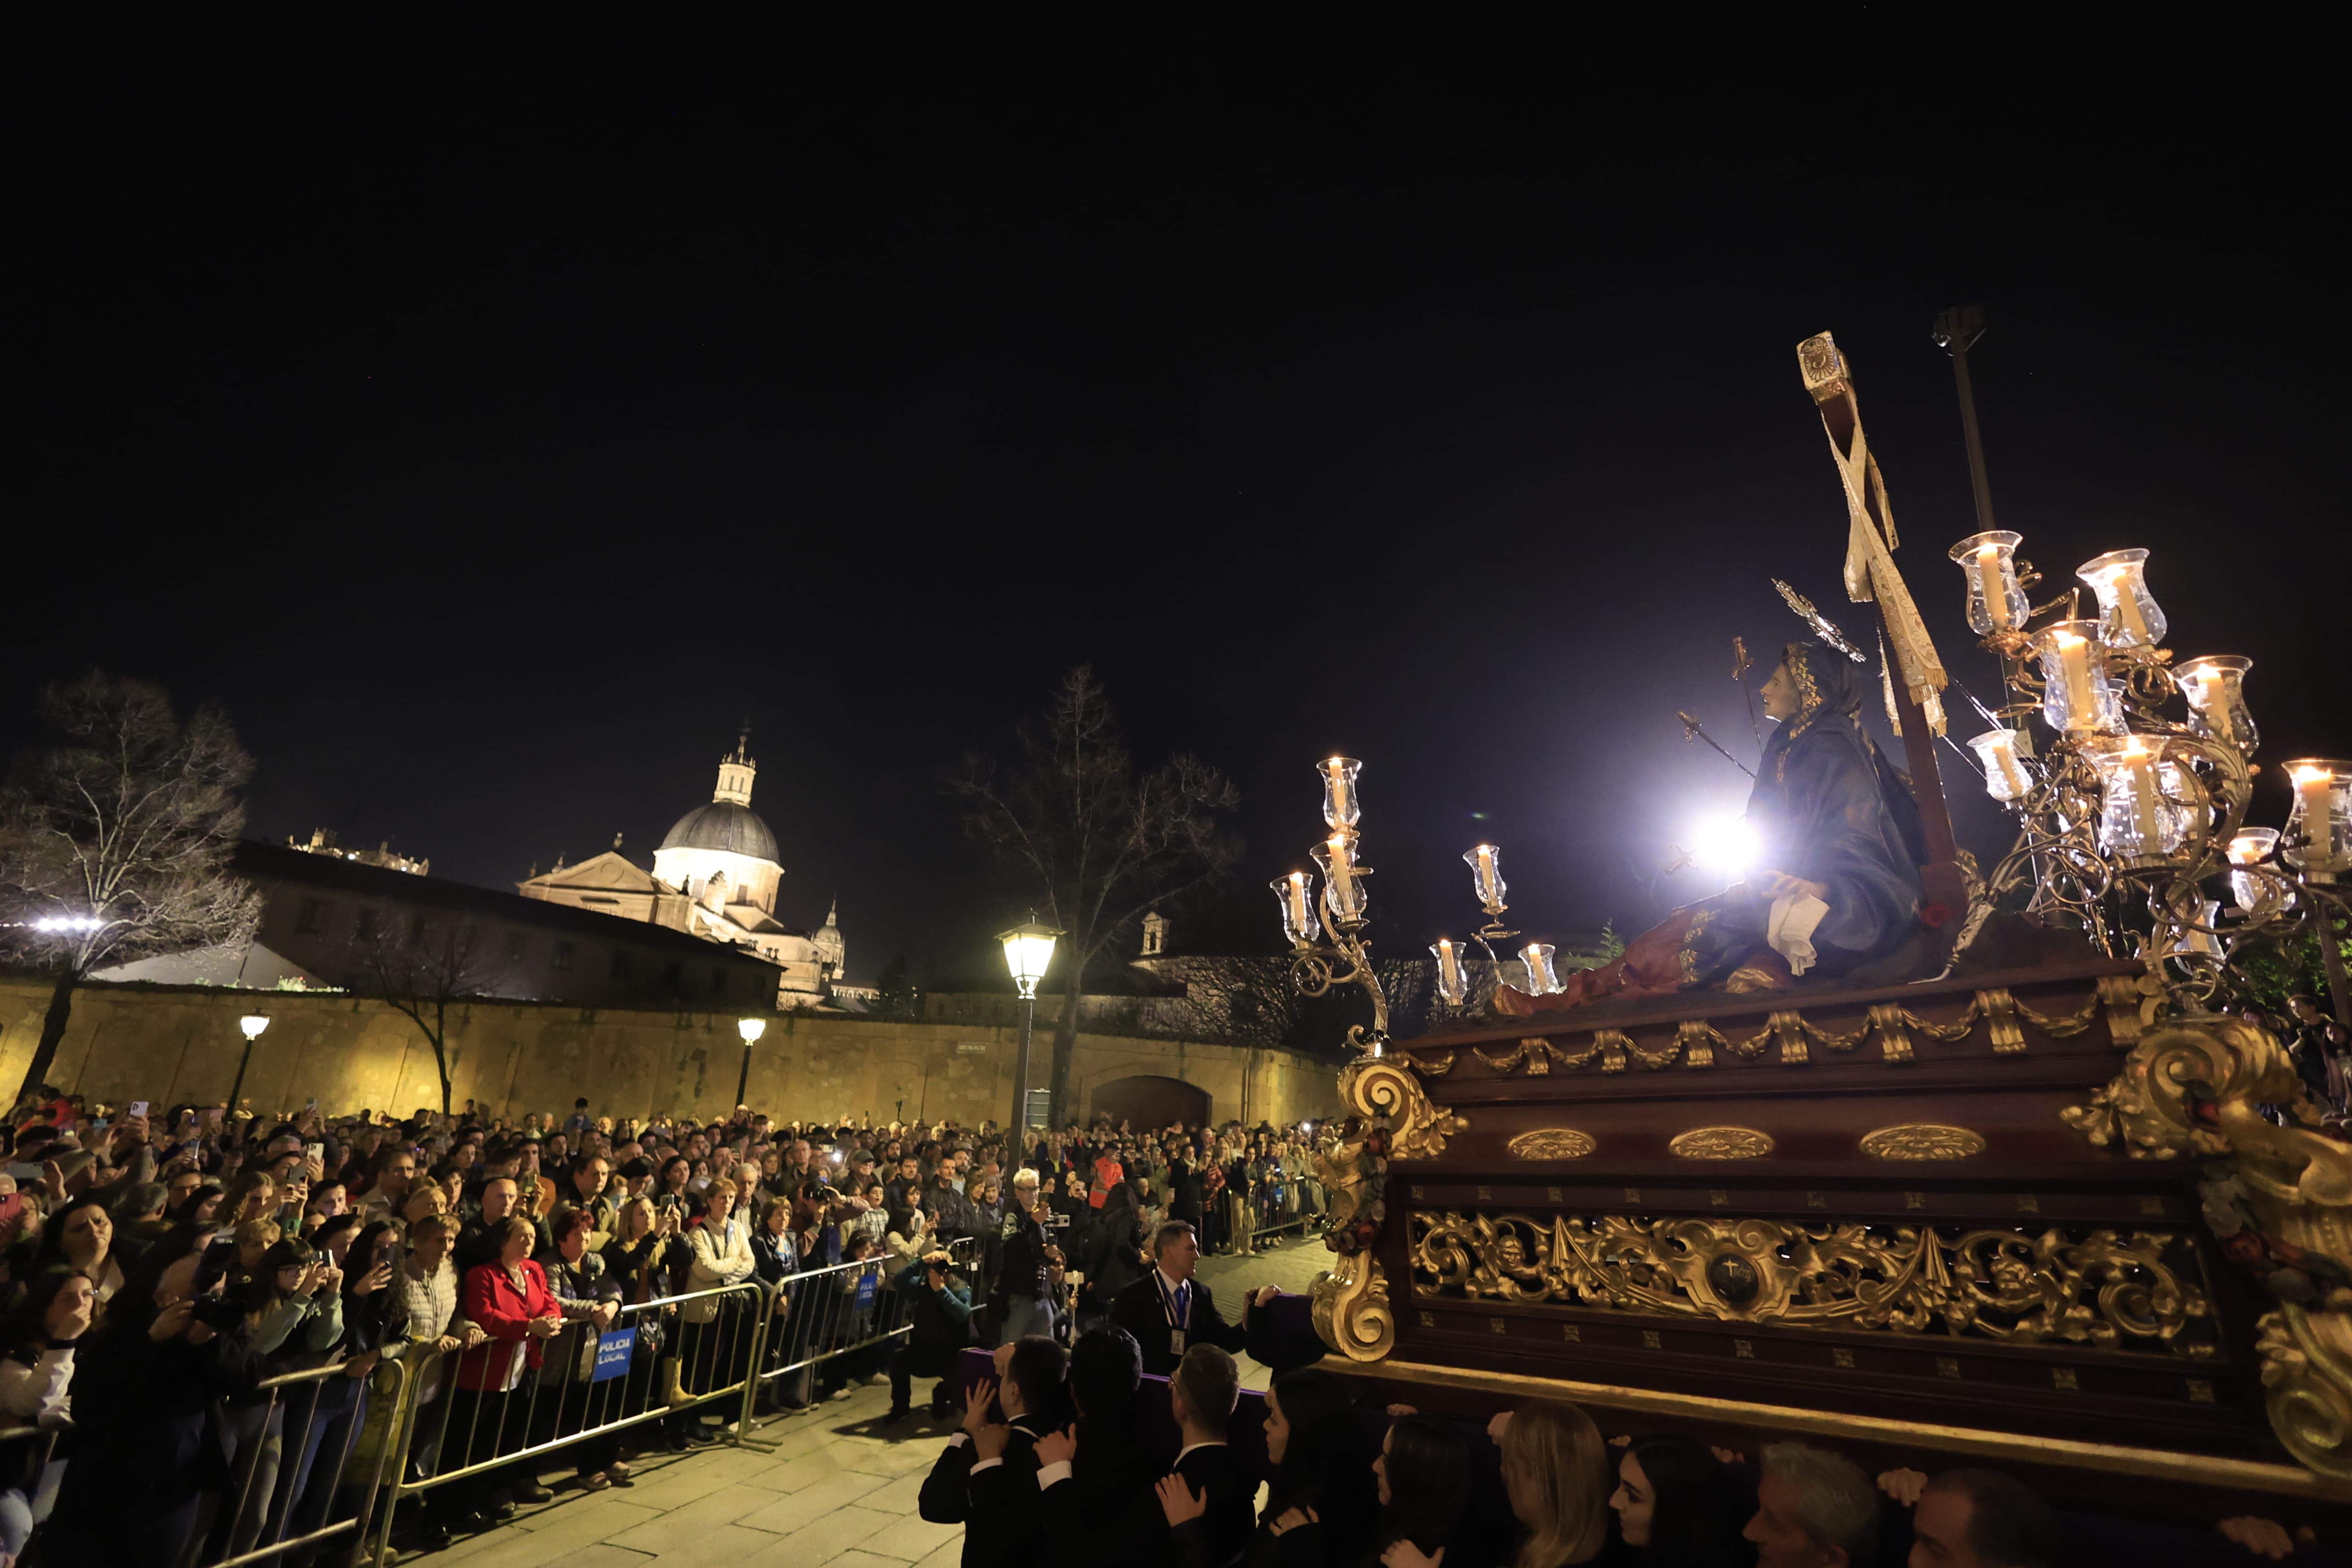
[(723, 824)]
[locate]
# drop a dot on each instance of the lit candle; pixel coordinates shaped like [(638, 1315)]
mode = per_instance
[(1336, 771), (2250, 847), (2123, 604), (1449, 971), (1537, 956), (2075, 670), (2313, 793), (1298, 897), (2005, 776), (1986, 564), (2139, 773), (1343, 875), (1486, 873)]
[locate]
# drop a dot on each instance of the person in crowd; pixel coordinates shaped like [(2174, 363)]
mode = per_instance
[(481, 1239), (508, 1300), (1422, 1479), (939, 1315), (1556, 1476), (37, 1367), (590, 1298), (396, 1168), (1169, 1311), (1107, 1494), (1679, 1506), (1027, 1267), (1970, 1518), (1207, 1485), (81, 1235), (640, 1260), (1814, 1509), (985, 1480), (1114, 1252), (722, 1257)]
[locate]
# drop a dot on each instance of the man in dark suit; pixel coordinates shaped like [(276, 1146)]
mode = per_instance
[(1095, 1478), (1202, 1396), (986, 1479), (1168, 1311)]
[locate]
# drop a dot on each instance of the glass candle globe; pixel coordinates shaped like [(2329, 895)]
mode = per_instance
[(2200, 941), (2251, 847), (2127, 614), (2005, 775), (2137, 823), (2076, 694), (1295, 893), (1996, 602), (2215, 687), (1452, 982), (1343, 887), (1341, 806), (1541, 981), (2318, 837), (1486, 863)]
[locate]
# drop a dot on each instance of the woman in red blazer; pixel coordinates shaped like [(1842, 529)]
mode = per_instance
[(508, 1300)]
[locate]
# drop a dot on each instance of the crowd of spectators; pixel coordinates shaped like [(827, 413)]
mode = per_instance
[(167, 1277)]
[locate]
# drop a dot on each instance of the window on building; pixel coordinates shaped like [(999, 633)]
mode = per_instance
[(514, 947), (562, 959), (311, 919), (620, 963), (719, 980), (370, 926)]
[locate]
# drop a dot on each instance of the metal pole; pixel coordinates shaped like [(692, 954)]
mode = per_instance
[(744, 1079), (242, 1063), (1957, 329), (1019, 1123)]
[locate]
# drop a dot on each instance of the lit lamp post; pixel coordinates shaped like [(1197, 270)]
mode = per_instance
[(751, 1029), (1028, 948), (252, 1024)]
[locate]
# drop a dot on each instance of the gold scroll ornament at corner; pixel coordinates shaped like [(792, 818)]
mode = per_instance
[(1719, 1143), (1348, 1304), (2198, 1086), (1551, 1143), (2101, 1287), (1922, 1141)]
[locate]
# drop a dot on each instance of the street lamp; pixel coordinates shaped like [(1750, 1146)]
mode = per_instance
[(252, 1024), (1028, 948), (751, 1029)]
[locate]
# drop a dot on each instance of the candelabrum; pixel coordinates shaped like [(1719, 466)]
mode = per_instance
[(1327, 932), (2132, 815)]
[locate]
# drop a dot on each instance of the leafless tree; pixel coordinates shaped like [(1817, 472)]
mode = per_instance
[(427, 970), (1250, 1001), (115, 838), (1098, 842)]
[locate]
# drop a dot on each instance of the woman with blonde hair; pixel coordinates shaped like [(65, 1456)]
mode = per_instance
[(1556, 1473)]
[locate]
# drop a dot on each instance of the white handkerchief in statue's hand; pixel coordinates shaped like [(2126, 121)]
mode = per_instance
[(1791, 928)]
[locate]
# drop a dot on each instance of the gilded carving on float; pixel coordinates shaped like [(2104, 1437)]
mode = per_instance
[(1551, 1143), (2279, 1197), (2099, 1289), (1719, 1143), (1922, 1141), (1792, 1035)]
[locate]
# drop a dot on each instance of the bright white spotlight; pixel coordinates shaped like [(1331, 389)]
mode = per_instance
[(1726, 843)]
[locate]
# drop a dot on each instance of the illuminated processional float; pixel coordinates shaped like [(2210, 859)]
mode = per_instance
[(2065, 1205)]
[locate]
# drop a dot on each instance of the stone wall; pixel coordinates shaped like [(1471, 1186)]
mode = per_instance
[(176, 1044)]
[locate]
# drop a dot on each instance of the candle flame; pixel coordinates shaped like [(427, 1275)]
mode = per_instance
[(2307, 775)]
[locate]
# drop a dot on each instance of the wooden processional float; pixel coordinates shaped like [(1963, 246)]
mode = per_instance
[(2056, 1213)]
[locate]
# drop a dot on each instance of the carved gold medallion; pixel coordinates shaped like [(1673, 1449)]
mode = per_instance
[(1719, 1143), (1922, 1141), (1551, 1143)]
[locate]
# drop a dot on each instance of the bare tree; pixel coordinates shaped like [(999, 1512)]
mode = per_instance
[(424, 971), (1098, 842), (115, 838)]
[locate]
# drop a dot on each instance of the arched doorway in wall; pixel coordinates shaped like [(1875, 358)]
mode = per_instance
[(1145, 1100)]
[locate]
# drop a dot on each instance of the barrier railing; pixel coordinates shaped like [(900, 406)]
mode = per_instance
[(290, 1448), (590, 1386)]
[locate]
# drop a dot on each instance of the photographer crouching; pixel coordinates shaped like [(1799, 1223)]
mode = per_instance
[(939, 1312)]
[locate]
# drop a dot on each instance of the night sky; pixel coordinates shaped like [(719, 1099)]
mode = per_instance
[(492, 423)]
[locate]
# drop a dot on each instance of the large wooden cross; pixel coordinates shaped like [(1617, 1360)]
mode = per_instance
[(1828, 378)]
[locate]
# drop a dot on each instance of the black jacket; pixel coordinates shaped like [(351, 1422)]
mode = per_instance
[(1230, 1492), (1138, 1310), (998, 1508)]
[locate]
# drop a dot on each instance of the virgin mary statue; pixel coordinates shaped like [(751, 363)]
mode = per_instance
[(1838, 841)]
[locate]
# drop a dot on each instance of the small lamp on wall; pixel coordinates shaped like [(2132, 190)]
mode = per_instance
[(751, 1029)]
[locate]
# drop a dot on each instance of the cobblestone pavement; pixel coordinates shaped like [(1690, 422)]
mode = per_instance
[(839, 1490)]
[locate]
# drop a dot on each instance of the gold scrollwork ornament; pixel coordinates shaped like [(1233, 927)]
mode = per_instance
[(1349, 1305), (1922, 1141), (1720, 1143), (1418, 1128), (1551, 1143)]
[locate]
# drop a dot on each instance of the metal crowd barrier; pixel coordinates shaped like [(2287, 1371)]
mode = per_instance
[(287, 1451), (741, 1343)]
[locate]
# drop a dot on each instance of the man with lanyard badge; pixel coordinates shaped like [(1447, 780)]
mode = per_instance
[(1168, 1309)]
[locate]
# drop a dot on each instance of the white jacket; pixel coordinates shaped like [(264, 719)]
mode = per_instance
[(721, 1259), (38, 1394)]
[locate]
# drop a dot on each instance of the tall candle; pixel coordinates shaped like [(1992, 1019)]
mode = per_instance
[(1297, 896), (2075, 670), (1337, 769), (2209, 692), (2314, 790), (1486, 873), (1999, 750), (2124, 604), (1987, 566), (1449, 970), (1343, 876), (2139, 770)]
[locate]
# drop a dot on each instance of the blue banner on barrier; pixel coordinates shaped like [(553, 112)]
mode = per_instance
[(612, 1353)]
